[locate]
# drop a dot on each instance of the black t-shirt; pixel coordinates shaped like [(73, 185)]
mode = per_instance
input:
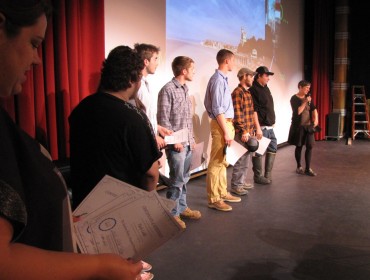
[(263, 104), (31, 193), (109, 136)]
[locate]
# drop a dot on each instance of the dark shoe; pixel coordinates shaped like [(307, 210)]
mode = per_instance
[(269, 163), (261, 180), (300, 171), (257, 169), (239, 191), (310, 172)]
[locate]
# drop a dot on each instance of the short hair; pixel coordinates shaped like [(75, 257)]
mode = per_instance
[(303, 83), (122, 66), (20, 13), (223, 54), (180, 63), (146, 51)]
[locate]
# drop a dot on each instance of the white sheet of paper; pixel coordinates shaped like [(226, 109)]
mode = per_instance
[(111, 195), (197, 156), (262, 145), (234, 152), (135, 235), (105, 191), (179, 136)]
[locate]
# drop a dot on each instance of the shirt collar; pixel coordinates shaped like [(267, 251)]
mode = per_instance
[(177, 83), (222, 75)]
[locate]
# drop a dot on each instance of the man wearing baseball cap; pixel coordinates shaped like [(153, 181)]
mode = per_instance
[(245, 121), (264, 107)]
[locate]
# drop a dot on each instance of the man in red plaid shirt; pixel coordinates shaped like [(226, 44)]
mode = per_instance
[(245, 121)]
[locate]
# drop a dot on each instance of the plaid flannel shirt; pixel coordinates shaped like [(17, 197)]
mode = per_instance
[(243, 110)]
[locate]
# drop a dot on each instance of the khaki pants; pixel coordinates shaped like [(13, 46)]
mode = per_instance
[(216, 171)]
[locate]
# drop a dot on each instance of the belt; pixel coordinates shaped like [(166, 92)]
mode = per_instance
[(229, 119), (266, 127)]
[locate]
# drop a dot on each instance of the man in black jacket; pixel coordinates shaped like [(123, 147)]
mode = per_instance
[(264, 106)]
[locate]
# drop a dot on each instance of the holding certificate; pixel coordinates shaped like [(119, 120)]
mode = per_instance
[(174, 113)]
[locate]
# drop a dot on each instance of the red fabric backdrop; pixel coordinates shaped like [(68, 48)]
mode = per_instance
[(72, 54), (322, 63)]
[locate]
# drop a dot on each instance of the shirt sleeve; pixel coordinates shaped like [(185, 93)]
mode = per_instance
[(164, 108), (218, 94), (239, 110), (143, 146), (12, 208)]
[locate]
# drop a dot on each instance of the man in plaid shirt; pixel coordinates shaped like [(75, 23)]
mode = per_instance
[(245, 121), (174, 113)]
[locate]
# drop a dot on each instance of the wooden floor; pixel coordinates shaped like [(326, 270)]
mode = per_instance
[(299, 227)]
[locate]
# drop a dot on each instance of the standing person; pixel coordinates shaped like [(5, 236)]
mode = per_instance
[(108, 135), (34, 200), (245, 122), (304, 119), (174, 113), (264, 106), (150, 56), (220, 109)]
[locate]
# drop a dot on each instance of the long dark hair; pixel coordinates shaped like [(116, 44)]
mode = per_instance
[(22, 13)]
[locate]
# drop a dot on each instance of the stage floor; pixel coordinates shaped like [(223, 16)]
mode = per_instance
[(299, 227)]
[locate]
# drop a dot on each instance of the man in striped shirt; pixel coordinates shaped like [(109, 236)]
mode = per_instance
[(174, 113)]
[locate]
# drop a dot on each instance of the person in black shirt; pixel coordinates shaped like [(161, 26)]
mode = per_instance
[(264, 106), (35, 221), (304, 121), (108, 135)]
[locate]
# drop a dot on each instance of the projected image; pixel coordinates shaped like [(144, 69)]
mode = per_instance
[(259, 32), (248, 28)]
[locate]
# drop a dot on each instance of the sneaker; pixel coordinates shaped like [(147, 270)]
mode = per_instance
[(145, 276), (220, 205), (300, 171), (248, 186), (239, 191), (181, 222), (310, 172), (146, 266), (231, 198), (191, 214)]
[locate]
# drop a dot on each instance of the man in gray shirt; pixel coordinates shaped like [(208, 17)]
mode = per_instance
[(174, 113)]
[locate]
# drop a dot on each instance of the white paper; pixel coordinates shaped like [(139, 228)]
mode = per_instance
[(197, 156), (263, 144), (179, 136), (234, 152), (118, 202), (135, 229)]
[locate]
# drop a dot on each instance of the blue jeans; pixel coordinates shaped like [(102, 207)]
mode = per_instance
[(179, 164), (240, 168), (272, 147)]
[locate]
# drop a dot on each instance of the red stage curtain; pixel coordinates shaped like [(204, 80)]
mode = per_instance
[(72, 54), (322, 64)]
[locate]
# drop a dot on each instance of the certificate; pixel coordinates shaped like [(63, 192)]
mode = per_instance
[(234, 152), (122, 219), (179, 136)]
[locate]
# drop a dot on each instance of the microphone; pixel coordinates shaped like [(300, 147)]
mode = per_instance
[(308, 95)]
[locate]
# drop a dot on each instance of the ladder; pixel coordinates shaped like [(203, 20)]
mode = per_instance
[(360, 114)]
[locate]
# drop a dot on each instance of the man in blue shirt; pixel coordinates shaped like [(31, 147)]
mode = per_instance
[(220, 109)]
